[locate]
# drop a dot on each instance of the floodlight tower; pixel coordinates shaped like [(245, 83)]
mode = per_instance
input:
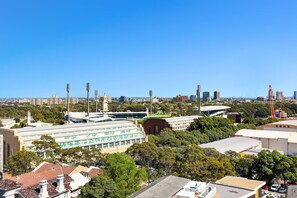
[(88, 97), (151, 102), (96, 98), (198, 98), (68, 100)]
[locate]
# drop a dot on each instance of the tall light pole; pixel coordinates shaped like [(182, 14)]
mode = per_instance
[(88, 97), (96, 97), (68, 100), (198, 98), (151, 102)]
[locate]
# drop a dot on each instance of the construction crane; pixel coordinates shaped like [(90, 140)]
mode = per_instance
[(271, 98)]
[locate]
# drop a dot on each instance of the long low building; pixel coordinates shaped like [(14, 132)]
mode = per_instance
[(114, 136), (155, 125), (285, 125), (283, 141), (237, 144)]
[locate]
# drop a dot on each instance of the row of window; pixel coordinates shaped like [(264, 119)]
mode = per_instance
[(282, 126), (113, 144)]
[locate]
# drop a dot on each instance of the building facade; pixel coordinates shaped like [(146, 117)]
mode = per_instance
[(113, 136), (295, 95), (217, 95), (206, 96), (279, 96), (155, 125)]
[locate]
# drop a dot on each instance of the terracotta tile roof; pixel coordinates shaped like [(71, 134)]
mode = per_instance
[(94, 171), (8, 184), (33, 178), (33, 191), (45, 166)]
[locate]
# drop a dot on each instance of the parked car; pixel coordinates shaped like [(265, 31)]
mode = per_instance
[(282, 190), (275, 187)]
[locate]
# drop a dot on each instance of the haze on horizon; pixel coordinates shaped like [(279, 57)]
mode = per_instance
[(129, 47)]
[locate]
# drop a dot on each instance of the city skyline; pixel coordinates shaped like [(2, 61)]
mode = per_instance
[(128, 48)]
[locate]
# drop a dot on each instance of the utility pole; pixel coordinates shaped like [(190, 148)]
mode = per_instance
[(88, 97), (96, 98), (198, 98), (151, 94)]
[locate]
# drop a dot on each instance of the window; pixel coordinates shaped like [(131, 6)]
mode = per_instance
[(122, 142), (99, 146), (105, 145), (127, 141), (117, 144), (111, 144)]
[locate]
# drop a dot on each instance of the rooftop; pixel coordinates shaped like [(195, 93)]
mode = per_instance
[(224, 191), (237, 144), (271, 134), (166, 186), (286, 122), (74, 126), (241, 182)]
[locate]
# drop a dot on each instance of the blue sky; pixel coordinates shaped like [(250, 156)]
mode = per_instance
[(127, 47)]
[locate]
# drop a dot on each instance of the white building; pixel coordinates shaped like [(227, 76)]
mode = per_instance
[(113, 136), (284, 141)]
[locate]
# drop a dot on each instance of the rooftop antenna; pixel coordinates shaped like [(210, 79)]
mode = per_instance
[(198, 98), (88, 97), (68, 100), (96, 98), (151, 103)]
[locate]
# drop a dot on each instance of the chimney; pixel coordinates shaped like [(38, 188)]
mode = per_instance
[(60, 183), (28, 118), (43, 189)]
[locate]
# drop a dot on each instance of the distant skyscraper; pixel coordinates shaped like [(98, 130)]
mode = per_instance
[(295, 95), (217, 95), (193, 98), (206, 96), (279, 95)]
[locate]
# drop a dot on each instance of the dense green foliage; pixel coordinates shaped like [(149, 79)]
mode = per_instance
[(99, 187), (22, 162), (191, 161), (127, 177)]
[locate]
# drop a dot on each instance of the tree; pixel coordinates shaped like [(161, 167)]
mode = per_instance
[(99, 187), (167, 160), (243, 166), (22, 162), (127, 177), (167, 138), (1, 125), (48, 148)]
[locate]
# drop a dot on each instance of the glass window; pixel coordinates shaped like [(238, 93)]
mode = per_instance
[(132, 141), (117, 144), (127, 141), (99, 146), (111, 144), (122, 142), (105, 145)]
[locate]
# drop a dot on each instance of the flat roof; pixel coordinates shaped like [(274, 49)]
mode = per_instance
[(285, 122), (224, 191), (271, 134), (181, 118), (213, 108), (241, 182), (58, 127), (165, 187), (237, 144)]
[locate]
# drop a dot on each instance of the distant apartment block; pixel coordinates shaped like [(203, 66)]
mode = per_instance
[(295, 95), (217, 95), (181, 98), (193, 98), (206, 96), (279, 96)]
